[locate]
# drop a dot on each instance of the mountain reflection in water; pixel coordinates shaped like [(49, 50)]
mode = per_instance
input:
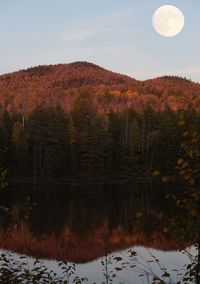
[(58, 221)]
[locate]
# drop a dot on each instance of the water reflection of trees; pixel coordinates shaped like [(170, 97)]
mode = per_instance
[(86, 220), (64, 223), (106, 223)]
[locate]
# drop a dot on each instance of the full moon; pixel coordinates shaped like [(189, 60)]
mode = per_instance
[(168, 21)]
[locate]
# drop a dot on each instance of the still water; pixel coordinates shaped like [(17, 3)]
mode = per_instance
[(96, 227)]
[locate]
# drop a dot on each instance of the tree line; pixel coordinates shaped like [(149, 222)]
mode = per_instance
[(48, 142)]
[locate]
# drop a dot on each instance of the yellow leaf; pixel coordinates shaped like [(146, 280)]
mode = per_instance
[(191, 181), (182, 172), (180, 161), (188, 177), (183, 145), (139, 215), (156, 173), (181, 123), (184, 165), (185, 134), (193, 212), (165, 230), (166, 179)]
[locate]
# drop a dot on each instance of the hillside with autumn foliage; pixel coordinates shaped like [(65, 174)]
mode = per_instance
[(64, 76), (80, 120), (53, 85)]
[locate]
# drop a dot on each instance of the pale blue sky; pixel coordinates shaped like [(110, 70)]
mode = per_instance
[(115, 34)]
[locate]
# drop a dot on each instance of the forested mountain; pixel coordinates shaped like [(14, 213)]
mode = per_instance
[(22, 91), (79, 119), (63, 76), (171, 85)]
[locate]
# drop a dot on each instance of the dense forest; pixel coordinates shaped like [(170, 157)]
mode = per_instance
[(79, 120)]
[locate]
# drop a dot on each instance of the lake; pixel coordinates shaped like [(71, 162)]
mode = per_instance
[(112, 232)]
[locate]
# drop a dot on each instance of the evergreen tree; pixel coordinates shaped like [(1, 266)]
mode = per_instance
[(20, 146), (115, 144), (90, 137), (135, 149), (49, 142)]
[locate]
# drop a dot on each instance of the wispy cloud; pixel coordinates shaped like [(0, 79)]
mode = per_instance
[(97, 26), (78, 35)]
